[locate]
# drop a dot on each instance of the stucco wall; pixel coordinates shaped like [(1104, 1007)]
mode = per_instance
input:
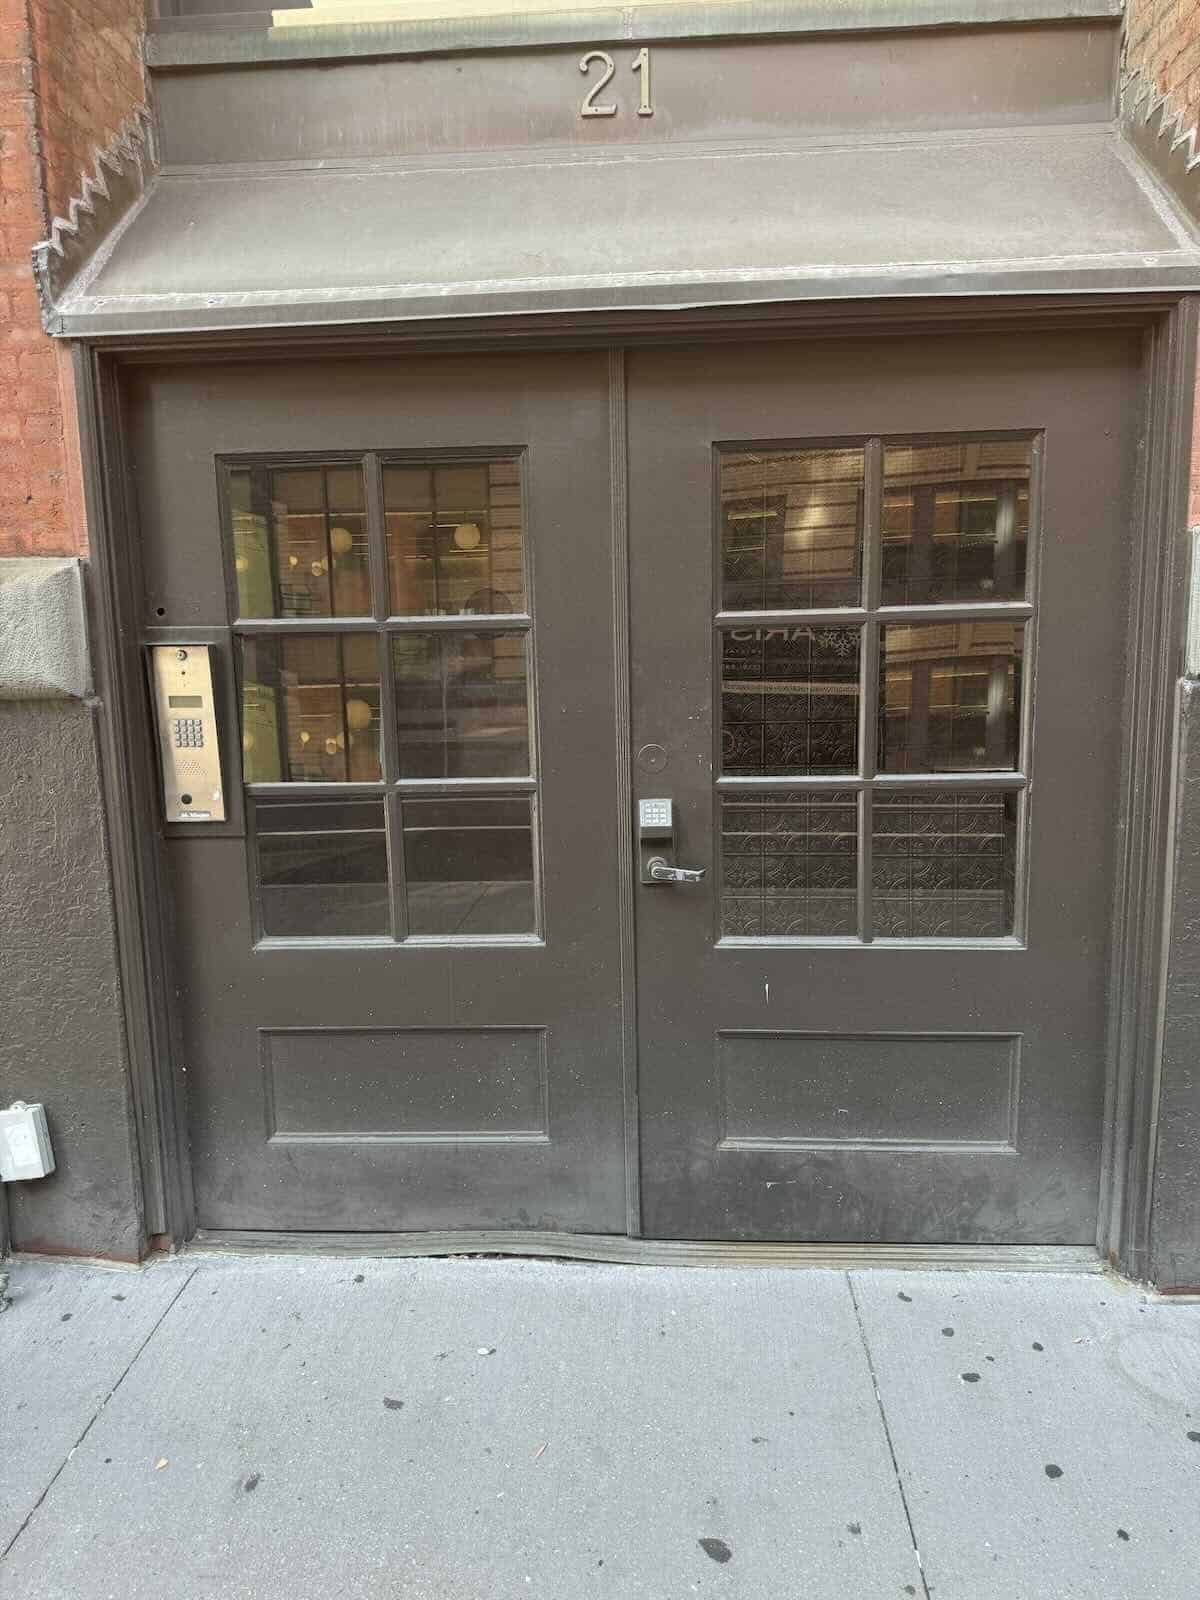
[(1175, 1217), (61, 1035)]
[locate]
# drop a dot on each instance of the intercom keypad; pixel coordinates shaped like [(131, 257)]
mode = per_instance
[(189, 733)]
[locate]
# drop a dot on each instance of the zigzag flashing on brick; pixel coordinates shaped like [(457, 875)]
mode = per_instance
[(120, 174), (1160, 138)]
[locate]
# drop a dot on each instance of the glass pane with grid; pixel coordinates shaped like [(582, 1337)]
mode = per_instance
[(791, 528), (938, 522), (455, 542), (300, 541), (454, 705), (789, 864), (955, 522), (789, 700)]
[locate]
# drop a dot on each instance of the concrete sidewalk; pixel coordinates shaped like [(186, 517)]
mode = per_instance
[(482, 1430)]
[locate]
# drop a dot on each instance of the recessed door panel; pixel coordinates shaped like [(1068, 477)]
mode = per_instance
[(399, 978), (879, 636)]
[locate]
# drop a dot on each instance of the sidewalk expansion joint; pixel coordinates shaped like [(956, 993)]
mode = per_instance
[(94, 1418), (887, 1433)]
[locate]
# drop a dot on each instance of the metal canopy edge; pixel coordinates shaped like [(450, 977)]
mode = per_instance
[(1036, 211), (253, 39)]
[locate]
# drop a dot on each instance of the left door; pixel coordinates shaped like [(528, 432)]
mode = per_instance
[(398, 960)]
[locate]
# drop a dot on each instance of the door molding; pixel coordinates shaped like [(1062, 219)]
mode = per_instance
[(619, 478), (1156, 623), (1156, 628)]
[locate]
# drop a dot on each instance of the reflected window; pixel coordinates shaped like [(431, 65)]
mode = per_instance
[(791, 528), (300, 541), (310, 708), (789, 700), (950, 696), (322, 869), (462, 704), (955, 522), (468, 866), (819, 836), (454, 539)]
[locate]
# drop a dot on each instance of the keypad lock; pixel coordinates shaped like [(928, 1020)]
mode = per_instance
[(656, 845), (181, 676)]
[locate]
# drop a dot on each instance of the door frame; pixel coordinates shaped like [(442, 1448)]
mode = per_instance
[(1142, 889)]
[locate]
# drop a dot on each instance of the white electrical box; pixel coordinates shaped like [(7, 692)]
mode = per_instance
[(25, 1150)]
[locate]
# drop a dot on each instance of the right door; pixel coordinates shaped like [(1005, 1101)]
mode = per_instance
[(879, 620)]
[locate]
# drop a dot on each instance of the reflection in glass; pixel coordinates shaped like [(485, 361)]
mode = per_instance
[(955, 522), (943, 865), (469, 866), (950, 696), (300, 542), (454, 538), (322, 868), (462, 706), (791, 528), (310, 708), (789, 701), (789, 864)]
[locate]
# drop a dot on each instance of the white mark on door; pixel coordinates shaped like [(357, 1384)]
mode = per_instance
[(767, 990)]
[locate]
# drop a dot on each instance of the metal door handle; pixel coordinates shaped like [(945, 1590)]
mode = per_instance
[(660, 872)]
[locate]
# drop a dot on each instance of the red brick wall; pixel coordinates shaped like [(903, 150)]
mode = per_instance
[(69, 76), (1162, 40)]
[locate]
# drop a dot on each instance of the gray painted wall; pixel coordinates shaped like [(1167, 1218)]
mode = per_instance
[(61, 1033), (1175, 1218)]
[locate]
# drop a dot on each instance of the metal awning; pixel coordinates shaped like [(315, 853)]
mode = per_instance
[(1038, 210)]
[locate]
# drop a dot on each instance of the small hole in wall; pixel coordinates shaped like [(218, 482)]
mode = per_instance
[(160, 611)]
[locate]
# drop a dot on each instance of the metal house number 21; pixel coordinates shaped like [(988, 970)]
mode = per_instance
[(641, 65)]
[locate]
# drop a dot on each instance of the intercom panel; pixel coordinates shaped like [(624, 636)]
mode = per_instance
[(185, 709)]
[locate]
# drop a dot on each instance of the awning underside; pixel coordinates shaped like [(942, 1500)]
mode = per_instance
[(1053, 210)]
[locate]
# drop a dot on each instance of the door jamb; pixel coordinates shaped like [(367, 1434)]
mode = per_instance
[(1155, 633)]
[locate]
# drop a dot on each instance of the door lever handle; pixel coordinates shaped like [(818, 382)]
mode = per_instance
[(660, 872)]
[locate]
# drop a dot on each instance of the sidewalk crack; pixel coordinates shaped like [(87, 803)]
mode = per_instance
[(887, 1433), (95, 1417)]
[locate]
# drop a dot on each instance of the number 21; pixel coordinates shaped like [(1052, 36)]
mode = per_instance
[(640, 65)]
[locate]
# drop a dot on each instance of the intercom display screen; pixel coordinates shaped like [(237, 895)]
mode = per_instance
[(178, 701)]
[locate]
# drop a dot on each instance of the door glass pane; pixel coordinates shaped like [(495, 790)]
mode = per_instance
[(469, 866), (789, 701), (789, 864), (454, 538), (310, 709), (943, 865), (950, 696), (955, 522), (791, 529), (322, 868), (300, 542), (462, 704)]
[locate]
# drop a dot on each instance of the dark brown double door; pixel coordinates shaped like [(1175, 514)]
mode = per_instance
[(873, 634)]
